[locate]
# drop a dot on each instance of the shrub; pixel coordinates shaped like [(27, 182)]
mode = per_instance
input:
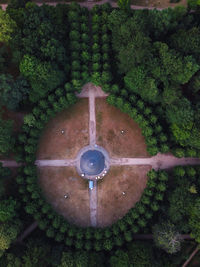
[(75, 26), (108, 244), (96, 58), (96, 67), (75, 65), (74, 35), (191, 152), (105, 38), (106, 77), (179, 152), (128, 236), (75, 75), (95, 48), (118, 241), (85, 47), (96, 19), (105, 48), (75, 55), (73, 16), (84, 28), (98, 234), (95, 38), (85, 37), (179, 171)]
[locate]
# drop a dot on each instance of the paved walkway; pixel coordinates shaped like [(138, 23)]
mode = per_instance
[(93, 205), (160, 161), (89, 5), (91, 91), (10, 163), (92, 123), (55, 162)]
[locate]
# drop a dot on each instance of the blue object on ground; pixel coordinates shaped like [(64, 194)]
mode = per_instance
[(91, 185)]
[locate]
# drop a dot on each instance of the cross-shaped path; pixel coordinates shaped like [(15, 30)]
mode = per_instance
[(160, 161)]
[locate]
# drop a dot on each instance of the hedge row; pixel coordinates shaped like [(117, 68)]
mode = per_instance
[(79, 38), (47, 108), (101, 46)]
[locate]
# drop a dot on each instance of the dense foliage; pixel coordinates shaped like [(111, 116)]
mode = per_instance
[(181, 204), (6, 136), (154, 64), (149, 63)]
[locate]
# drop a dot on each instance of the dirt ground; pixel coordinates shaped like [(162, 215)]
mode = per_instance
[(74, 121), (59, 181), (110, 121), (112, 204)]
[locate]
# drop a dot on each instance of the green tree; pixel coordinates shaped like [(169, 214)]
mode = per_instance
[(37, 253), (7, 26), (194, 218), (8, 233), (81, 259), (166, 237), (120, 259), (13, 92), (8, 209), (140, 254), (6, 136), (29, 119), (43, 76), (67, 259)]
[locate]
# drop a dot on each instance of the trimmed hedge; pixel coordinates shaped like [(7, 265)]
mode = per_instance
[(78, 19), (101, 48)]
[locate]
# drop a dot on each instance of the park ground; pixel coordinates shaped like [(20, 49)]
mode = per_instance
[(112, 204), (74, 121), (58, 181), (110, 122)]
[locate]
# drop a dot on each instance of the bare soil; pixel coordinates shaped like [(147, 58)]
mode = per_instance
[(74, 121), (110, 122), (112, 204), (59, 181)]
